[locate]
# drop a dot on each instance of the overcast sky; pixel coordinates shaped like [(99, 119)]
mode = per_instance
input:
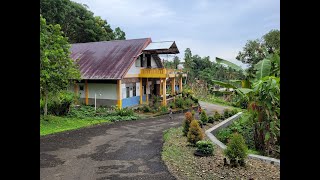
[(215, 28)]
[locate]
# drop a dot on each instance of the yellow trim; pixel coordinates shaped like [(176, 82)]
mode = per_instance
[(173, 84), (164, 101), (153, 75), (141, 91), (132, 75), (147, 96), (180, 84), (86, 92), (119, 100)]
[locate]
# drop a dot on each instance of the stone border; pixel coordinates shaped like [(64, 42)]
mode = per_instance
[(212, 131)]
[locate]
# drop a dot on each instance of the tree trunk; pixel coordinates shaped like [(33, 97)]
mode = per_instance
[(45, 109)]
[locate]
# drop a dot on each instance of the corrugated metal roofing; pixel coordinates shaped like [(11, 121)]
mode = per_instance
[(107, 59), (159, 45), (163, 47)]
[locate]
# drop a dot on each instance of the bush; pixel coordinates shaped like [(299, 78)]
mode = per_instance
[(210, 119), (188, 102), (59, 103), (226, 113), (203, 117), (195, 133), (146, 108), (205, 147), (217, 116), (180, 103), (236, 150), (224, 134), (193, 113), (234, 111), (124, 112), (186, 123), (163, 109), (172, 105)]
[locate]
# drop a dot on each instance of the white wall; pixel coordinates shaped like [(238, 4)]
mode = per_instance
[(108, 91), (136, 70)]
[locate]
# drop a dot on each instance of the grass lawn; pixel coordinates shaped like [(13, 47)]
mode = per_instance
[(58, 124)]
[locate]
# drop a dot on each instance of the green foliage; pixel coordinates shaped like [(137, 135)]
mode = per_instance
[(59, 103), (164, 109), (205, 147), (227, 113), (236, 149), (77, 22), (119, 34), (203, 117), (234, 111), (172, 105), (56, 66), (180, 103), (217, 116), (123, 112), (253, 52), (210, 119), (146, 108), (156, 102), (186, 123), (193, 113), (195, 133)]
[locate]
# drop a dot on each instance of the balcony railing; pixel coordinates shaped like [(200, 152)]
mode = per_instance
[(158, 72)]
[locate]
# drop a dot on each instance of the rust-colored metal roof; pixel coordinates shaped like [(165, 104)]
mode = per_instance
[(107, 59)]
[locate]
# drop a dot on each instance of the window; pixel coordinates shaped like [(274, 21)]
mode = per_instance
[(148, 60), (127, 92), (134, 91), (81, 87), (141, 60), (138, 61)]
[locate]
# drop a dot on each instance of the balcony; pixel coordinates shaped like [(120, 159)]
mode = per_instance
[(158, 73)]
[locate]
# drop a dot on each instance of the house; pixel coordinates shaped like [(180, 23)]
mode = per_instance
[(124, 72)]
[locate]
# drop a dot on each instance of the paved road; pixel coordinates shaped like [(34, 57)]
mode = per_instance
[(123, 150), (210, 108)]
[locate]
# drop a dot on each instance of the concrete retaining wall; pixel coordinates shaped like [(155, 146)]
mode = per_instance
[(212, 131)]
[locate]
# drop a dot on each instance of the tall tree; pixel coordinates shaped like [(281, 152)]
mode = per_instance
[(256, 50), (56, 66), (176, 62), (119, 34), (76, 21)]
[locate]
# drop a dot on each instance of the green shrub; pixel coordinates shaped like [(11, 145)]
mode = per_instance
[(193, 113), (82, 112), (234, 111), (188, 102), (195, 133), (226, 113), (210, 119), (124, 112), (156, 101), (163, 109), (172, 105), (236, 150), (59, 103), (217, 116), (180, 103), (224, 134), (186, 123), (146, 108), (203, 117), (205, 147)]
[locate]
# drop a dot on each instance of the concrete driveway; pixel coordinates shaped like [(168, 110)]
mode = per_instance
[(123, 150), (210, 108)]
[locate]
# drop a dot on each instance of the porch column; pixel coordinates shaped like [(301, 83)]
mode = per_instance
[(86, 92), (180, 84), (164, 90), (147, 95), (119, 93), (173, 88), (160, 86), (173, 85), (141, 91), (76, 91)]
